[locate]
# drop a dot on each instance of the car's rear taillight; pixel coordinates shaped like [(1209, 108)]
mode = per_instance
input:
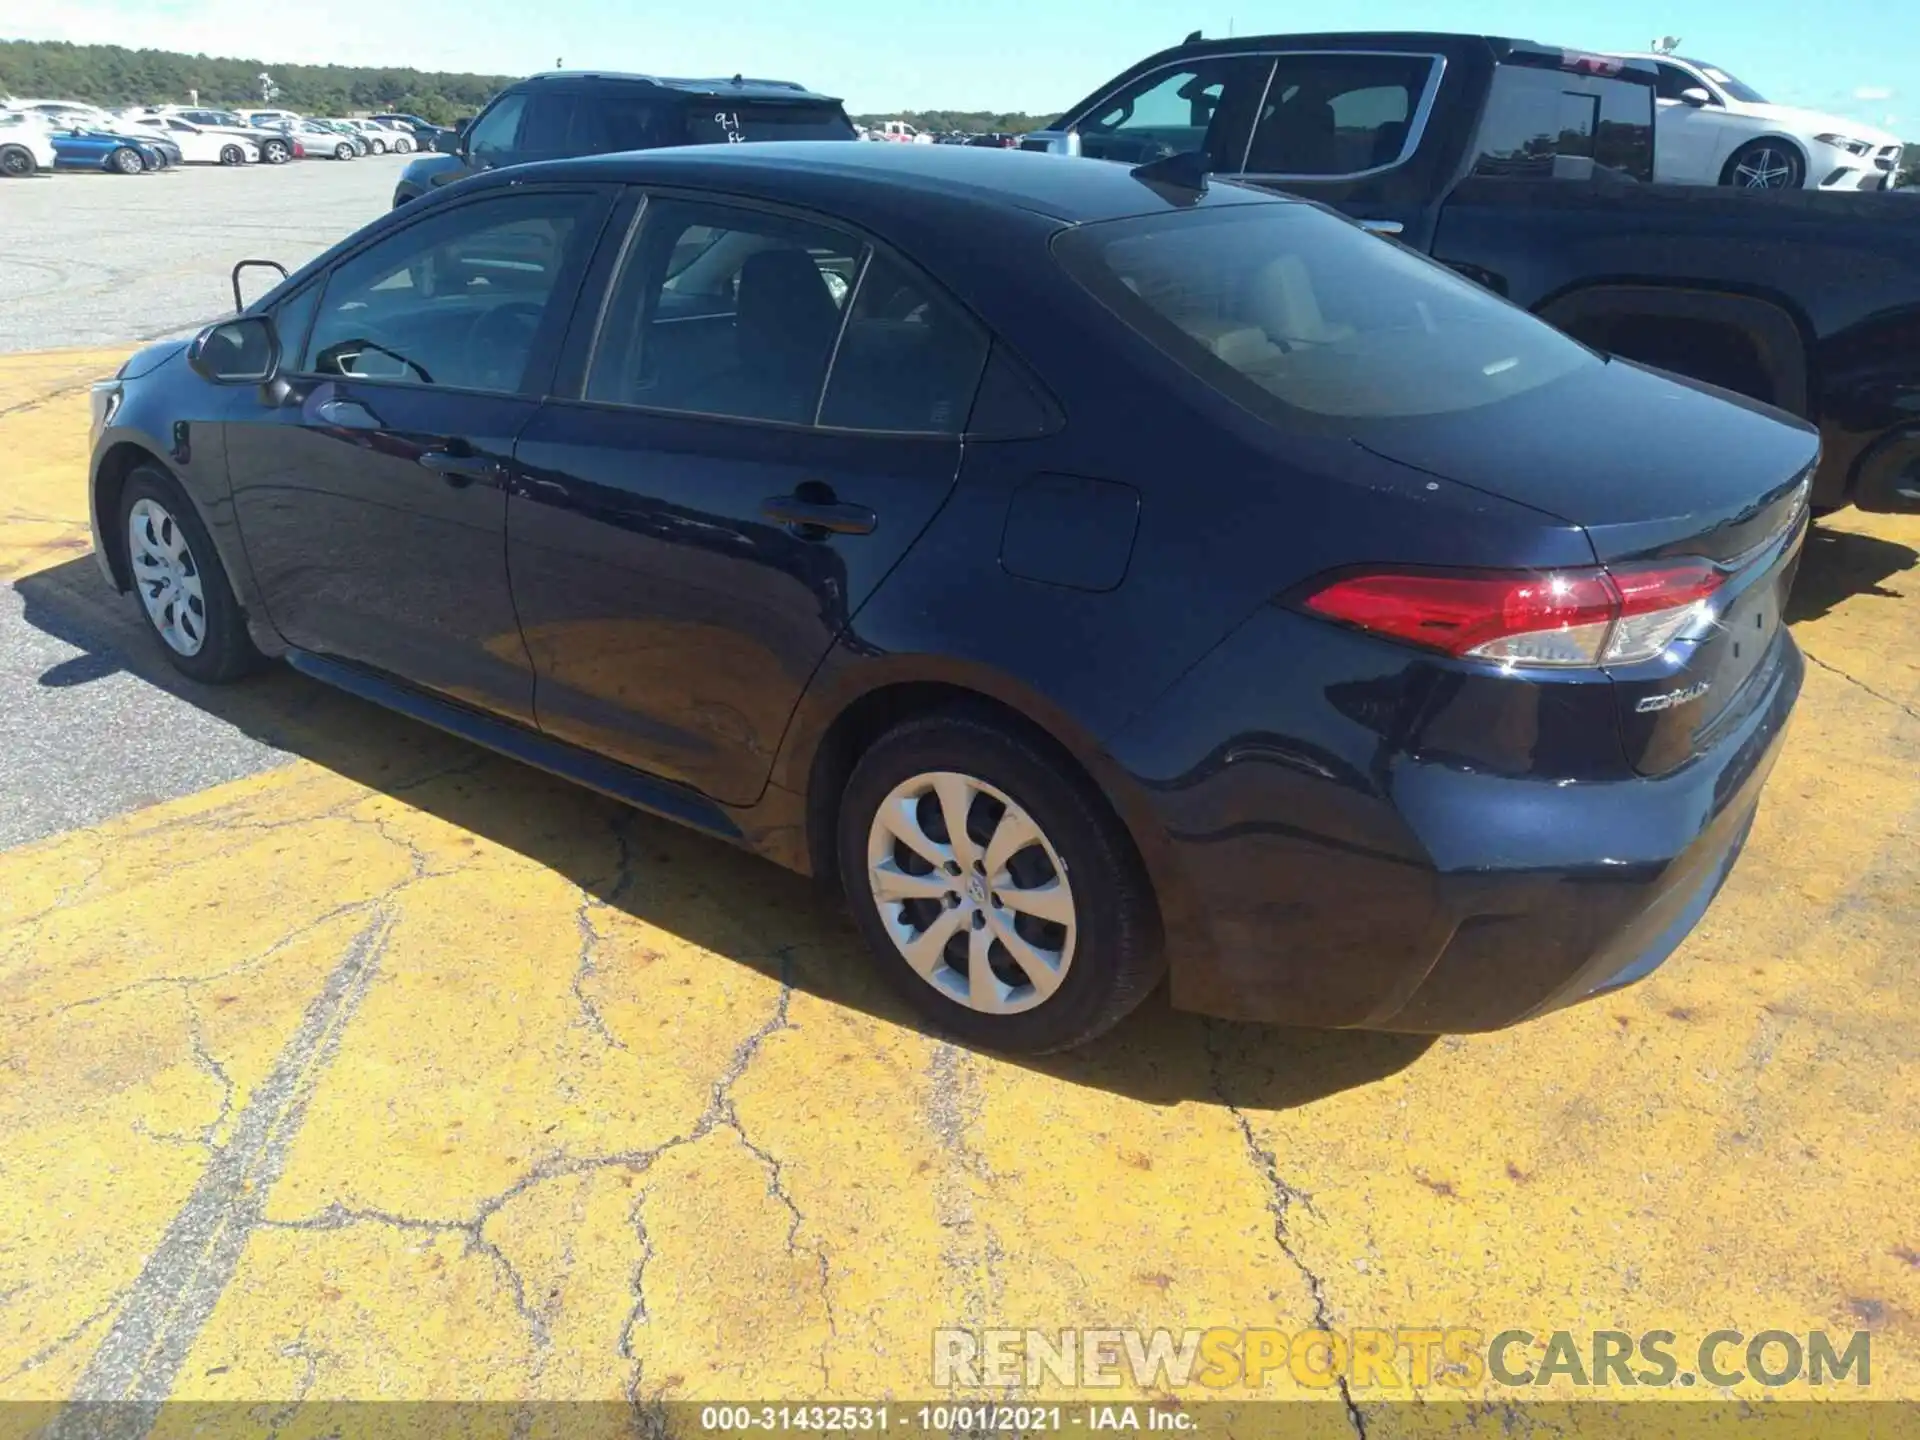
[(1598, 616)]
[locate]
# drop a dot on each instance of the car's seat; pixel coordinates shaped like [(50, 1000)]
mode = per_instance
[(785, 320), (1298, 138)]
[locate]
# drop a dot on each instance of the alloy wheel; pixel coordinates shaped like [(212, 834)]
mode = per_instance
[(1764, 169), (973, 894), (15, 162), (167, 577)]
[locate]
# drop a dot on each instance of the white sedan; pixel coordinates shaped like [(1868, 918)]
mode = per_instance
[(1710, 129), (198, 144)]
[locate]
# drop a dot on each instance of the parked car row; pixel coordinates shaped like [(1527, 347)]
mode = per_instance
[(45, 135)]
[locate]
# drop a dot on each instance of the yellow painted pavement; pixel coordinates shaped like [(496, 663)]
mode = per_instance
[(404, 1072)]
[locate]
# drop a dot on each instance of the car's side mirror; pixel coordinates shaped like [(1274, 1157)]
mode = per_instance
[(241, 351), (1695, 96)]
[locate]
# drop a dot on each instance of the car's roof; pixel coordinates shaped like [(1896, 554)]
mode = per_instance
[(839, 176), (746, 87)]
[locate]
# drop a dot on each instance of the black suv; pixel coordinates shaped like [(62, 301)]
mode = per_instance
[(548, 117)]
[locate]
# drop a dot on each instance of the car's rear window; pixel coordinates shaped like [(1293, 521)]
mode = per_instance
[(719, 121), (1284, 306)]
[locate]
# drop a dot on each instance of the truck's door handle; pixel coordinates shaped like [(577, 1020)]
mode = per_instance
[(459, 470), (819, 515), (1382, 227)]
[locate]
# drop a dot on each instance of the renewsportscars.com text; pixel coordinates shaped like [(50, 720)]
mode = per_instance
[(1399, 1358)]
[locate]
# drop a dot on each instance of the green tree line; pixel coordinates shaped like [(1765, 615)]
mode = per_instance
[(112, 76)]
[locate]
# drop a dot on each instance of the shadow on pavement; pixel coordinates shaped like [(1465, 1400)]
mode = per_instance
[(1839, 564), (685, 883)]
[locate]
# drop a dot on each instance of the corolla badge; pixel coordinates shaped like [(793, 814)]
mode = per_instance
[(1672, 698)]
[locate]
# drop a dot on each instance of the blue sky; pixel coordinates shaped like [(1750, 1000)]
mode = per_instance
[(990, 54)]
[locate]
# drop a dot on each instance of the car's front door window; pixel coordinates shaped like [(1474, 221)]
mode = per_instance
[(454, 300), (492, 138)]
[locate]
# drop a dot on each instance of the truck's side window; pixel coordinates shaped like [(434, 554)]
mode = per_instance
[(1331, 115), (1202, 105), (1545, 124)]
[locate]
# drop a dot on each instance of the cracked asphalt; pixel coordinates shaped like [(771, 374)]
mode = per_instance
[(345, 1061)]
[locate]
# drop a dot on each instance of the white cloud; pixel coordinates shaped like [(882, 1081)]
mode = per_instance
[(1873, 92)]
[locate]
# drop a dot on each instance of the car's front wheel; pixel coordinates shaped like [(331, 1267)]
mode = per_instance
[(16, 161), (1765, 165), (403, 146), (379, 147), (127, 162), (232, 155), (997, 891), (183, 589), (343, 151)]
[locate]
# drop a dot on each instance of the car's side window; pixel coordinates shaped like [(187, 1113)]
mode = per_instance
[(604, 123), (909, 360), (493, 135), (1674, 83), (724, 311), (292, 318), (455, 299), (549, 116), (1203, 105), (1543, 124), (1332, 115)]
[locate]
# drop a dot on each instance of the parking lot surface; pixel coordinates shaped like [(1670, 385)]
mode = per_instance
[(348, 1061), (104, 259)]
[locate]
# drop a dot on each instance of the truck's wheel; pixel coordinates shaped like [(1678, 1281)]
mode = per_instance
[(1765, 165)]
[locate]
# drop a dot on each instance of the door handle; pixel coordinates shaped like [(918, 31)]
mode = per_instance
[(1382, 227), (460, 470), (818, 515), (348, 414)]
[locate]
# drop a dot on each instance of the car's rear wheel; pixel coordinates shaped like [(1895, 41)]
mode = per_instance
[(183, 589), (1765, 165), (998, 893), (16, 162), (126, 161), (232, 155), (275, 152)]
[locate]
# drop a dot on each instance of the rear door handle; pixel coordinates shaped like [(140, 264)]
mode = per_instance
[(458, 470), (1382, 227), (819, 515)]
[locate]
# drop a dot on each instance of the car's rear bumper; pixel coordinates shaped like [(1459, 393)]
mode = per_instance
[(1418, 895)]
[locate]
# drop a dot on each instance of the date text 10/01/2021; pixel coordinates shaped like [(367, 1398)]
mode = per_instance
[(943, 1419)]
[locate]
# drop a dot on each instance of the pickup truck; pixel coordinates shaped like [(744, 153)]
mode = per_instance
[(1530, 169)]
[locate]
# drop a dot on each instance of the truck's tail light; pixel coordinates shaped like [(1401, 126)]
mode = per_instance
[(1595, 616)]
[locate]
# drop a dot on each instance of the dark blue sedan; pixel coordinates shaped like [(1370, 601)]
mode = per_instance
[(103, 150), (1101, 574)]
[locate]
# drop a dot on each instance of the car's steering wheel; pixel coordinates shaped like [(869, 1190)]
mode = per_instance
[(500, 341)]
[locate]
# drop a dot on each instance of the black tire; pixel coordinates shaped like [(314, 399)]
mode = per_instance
[(232, 155), (1117, 956), (16, 162), (275, 152), (226, 652), (1765, 165), (127, 161)]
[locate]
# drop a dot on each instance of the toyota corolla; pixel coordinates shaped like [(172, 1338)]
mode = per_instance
[(1099, 574)]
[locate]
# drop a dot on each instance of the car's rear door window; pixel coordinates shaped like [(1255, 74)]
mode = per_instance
[(1205, 105), (909, 360), (720, 121), (605, 123), (1300, 316), (1555, 124), (1346, 114), (725, 311)]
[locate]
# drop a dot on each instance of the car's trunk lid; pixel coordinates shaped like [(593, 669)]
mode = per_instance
[(1712, 476)]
